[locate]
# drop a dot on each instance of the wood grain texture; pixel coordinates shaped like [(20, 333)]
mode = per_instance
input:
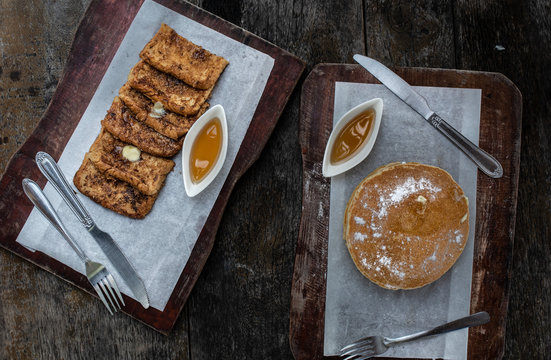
[(283, 78), (260, 225), (523, 32), (240, 305), (409, 33), (84, 70), (41, 316), (33, 50), (496, 202), (82, 75)]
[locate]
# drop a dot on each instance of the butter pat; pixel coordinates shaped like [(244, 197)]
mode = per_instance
[(131, 153), (423, 201), (157, 111)]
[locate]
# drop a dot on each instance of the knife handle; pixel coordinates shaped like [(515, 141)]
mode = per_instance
[(39, 199), (485, 162), (52, 172)]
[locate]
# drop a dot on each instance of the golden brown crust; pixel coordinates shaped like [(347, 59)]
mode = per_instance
[(120, 122), (174, 94), (147, 174), (179, 57), (406, 224), (112, 193), (171, 124)]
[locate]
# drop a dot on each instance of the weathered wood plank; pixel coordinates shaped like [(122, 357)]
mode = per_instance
[(41, 315), (33, 50), (492, 235), (46, 318), (511, 38), (240, 305), (98, 34), (410, 33), (45, 29), (104, 31)]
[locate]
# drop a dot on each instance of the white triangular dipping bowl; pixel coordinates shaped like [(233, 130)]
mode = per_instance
[(330, 169), (192, 188)]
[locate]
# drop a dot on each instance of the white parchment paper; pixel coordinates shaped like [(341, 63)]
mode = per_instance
[(159, 245), (356, 307)]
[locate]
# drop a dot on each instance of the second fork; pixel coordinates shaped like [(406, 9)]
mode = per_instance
[(102, 281)]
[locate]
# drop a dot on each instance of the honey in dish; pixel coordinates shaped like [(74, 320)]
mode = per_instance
[(352, 136), (205, 150)]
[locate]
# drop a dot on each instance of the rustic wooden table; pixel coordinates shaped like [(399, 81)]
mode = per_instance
[(239, 307)]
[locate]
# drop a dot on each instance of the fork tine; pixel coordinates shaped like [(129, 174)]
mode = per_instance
[(351, 354), (351, 357), (100, 294), (114, 286), (112, 297), (360, 342), (356, 348), (100, 283)]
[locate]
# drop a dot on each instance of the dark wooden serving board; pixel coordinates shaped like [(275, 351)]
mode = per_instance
[(500, 128), (97, 39)]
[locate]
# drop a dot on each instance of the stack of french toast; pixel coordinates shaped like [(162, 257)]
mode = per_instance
[(166, 92)]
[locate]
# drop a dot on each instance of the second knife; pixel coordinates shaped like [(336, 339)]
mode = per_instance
[(51, 171), (485, 162)]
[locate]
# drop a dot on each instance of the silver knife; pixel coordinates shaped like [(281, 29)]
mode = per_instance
[(53, 173), (485, 162)]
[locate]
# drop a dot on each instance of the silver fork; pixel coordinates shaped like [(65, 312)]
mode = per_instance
[(375, 345), (102, 281)]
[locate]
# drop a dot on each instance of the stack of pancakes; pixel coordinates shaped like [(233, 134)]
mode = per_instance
[(406, 224), (166, 92)]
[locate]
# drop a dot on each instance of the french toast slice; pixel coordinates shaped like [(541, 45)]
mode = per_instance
[(112, 193), (147, 174), (120, 122), (179, 57), (167, 123), (174, 94)]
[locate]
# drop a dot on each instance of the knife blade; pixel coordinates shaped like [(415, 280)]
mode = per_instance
[(485, 162), (121, 263), (108, 245)]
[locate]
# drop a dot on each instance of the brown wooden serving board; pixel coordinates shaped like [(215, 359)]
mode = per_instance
[(98, 37), (500, 127)]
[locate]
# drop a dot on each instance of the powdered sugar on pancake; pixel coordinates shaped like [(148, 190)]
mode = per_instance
[(359, 236), (405, 223), (392, 197)]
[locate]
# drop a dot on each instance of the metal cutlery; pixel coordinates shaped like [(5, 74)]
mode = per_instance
[(485, 162), (53, 173), (102, 281), (375, 345)]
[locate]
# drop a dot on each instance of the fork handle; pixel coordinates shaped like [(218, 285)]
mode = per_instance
[(39, 199), (53, 173), (465, 322)]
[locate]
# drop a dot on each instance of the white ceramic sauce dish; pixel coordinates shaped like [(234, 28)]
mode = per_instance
[(195, 187), (331, 169)]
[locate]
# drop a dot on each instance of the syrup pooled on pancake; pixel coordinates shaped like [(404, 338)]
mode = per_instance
[(406, 224)]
